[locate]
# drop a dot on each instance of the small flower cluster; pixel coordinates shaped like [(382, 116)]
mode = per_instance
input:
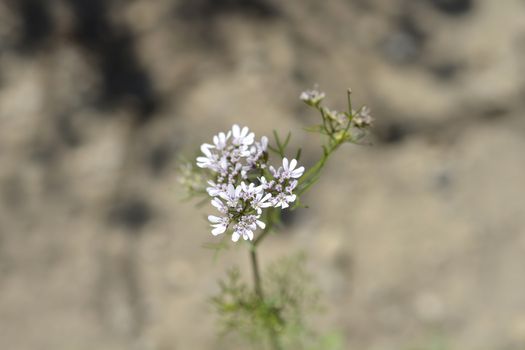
[(243, 184), (191, 180), (363, 118), (312, 97), (339, 126)]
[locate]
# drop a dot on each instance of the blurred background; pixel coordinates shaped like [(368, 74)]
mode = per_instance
[(417, 242)]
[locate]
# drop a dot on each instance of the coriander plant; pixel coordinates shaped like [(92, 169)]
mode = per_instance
[(248, 194)]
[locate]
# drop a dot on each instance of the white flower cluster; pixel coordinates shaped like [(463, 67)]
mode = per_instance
[(239, 189)]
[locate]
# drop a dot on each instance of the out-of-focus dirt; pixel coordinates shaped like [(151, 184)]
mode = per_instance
[(417, 241)]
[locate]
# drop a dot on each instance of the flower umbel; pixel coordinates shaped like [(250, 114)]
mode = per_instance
[(238, 182)]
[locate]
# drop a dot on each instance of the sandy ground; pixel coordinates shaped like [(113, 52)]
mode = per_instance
[(417, 242)]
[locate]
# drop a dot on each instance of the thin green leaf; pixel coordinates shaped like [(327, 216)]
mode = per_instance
[(276, 151), (277, 139), (298, 154), (288, 136)]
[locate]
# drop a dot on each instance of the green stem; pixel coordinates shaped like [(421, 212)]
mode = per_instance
[(256, 274), (274, 338), (310, 176), (263, 234), (269, 219)]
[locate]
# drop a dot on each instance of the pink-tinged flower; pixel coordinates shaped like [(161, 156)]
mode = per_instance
[(232, 195), (283, 199), (261, 201), (245, 227), (221, 140), (289, 170), (265, 183), (219, 224), (209, 160), (249, 191), (242, 137), (215, 189), (217, 203)]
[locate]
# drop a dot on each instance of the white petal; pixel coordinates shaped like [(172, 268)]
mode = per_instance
[(231, 190), (304, 96), (235, 236), (218, 230), (244, 131), (212, 191), (214, 219), (293, 164), (236, 130), (261, 224), (237, 191), (285, 163), (222, 139), (264, 143), (205, 148), (248, 236), (298, 172), (249, 138), (216, 203), (203, 162)]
